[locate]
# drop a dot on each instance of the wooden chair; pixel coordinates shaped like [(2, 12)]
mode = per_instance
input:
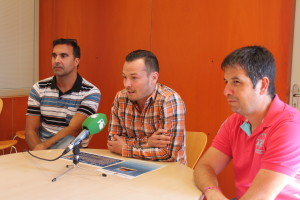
[(195, 145), (7, 143), (20, 134)]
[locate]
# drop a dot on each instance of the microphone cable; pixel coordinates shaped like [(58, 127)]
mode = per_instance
[(43, 158)]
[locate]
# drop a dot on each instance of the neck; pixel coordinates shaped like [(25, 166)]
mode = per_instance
[(141, 104), (257, 117), (65, 83)]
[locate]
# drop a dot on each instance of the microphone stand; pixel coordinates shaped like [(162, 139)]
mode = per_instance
[(76, 152)]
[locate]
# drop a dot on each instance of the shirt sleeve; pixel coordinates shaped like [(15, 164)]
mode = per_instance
[(173, 121), (89, 105), (222, 140), (34, 99), (114, 127), (282, 153)]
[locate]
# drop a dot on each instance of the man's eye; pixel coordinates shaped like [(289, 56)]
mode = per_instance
[(236, 82)]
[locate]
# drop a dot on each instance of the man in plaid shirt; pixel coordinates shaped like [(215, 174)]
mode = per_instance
[(147, 118)]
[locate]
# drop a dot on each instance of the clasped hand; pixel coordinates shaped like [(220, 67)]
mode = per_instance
[(116, 144), (159, 139)]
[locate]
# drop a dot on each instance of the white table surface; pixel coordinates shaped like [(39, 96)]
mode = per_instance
[(25, 177)]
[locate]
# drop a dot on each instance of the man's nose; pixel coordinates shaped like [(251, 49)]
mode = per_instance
[(227, 90), (127, 83), (57, 59)]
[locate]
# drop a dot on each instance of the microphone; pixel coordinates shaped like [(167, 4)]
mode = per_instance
[(91, 125)]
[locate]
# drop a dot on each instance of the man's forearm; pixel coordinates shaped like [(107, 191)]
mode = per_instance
[(206, 180), (149, 153), (205, 177), (266, 185), (32, 139), (68, 131)]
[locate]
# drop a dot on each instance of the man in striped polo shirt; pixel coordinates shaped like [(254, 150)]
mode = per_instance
[(58, 105), (147, 118)]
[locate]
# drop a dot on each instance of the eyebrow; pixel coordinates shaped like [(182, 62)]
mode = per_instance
[(53, 54), (132, 74), (233, 78)]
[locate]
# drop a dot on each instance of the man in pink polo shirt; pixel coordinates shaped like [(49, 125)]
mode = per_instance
[(262, 137)]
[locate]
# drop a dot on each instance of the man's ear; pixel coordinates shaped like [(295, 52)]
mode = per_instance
[(77, 61), (264, 85), (155, 76)]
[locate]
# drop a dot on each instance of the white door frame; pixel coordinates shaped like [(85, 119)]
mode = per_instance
[(295, 72)]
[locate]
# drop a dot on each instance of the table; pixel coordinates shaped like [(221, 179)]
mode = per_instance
[(25, 177)]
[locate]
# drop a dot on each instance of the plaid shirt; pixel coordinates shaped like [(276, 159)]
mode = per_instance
[(164, 109)]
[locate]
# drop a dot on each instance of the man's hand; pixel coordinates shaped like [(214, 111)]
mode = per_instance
[(85, 142), (115, 145), (40, 146), (216, 195), (159, 139)]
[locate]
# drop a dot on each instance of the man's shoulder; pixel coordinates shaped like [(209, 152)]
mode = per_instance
[(121, 94), (166, 91), (281, 112), (88, 86), (234, 120), (290, 115), (44, 83)]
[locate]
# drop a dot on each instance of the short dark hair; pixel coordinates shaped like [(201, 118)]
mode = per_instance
[(150, 59), (257, 62), (71, 42)]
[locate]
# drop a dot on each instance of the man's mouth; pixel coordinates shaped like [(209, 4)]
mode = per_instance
[(231, 100), (57, 66)]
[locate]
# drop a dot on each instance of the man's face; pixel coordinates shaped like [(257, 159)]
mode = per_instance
[(63, 60), (239, 91), (137, 81)]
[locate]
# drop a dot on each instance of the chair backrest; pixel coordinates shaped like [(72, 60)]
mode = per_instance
[(1, 105), (195, 145)]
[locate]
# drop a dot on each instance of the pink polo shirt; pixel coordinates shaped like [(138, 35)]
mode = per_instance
[(273, 145)]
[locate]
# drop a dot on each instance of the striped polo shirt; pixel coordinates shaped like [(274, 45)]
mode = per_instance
[(56, 109)]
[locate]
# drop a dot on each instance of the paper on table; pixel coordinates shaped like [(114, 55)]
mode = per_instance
[(131, 168), (94, 159)]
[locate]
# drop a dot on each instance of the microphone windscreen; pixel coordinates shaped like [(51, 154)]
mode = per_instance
[(95, 123)]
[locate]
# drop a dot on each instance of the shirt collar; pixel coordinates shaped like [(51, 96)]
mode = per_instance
[(76, 87), (275, 109), (150, 99), (246, 127), (152, 96)]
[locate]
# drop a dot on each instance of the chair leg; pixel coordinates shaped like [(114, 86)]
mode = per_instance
[(13, 147)]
